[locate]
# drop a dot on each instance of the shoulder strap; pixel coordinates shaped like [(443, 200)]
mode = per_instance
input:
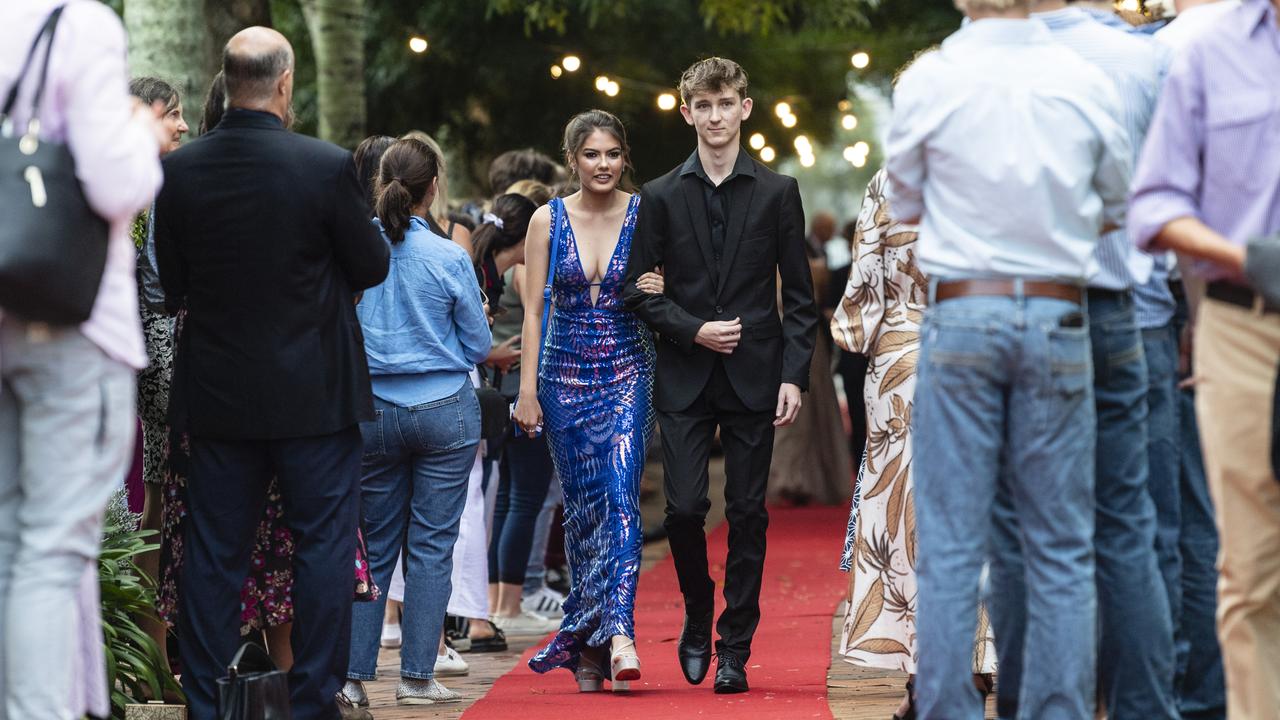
[(557, 208), (46, 31)]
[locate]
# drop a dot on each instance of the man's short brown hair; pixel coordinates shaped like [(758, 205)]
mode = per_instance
[(712, 75)]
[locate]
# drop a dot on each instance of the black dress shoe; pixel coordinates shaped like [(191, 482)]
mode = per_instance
[(695, 647), (731, 675)]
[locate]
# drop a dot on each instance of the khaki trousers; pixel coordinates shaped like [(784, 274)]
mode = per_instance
[(1237, 352)]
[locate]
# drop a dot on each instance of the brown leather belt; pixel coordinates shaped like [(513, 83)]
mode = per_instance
[(951, 289), (1239, 295)]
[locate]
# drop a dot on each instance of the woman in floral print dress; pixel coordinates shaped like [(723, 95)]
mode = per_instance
[(879, 316)]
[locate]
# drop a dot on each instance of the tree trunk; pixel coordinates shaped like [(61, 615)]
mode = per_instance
[(169, 39), (337, 38), (225, 18)]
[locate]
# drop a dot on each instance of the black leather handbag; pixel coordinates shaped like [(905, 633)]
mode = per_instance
[(53, 246), (253, 688), (495, 412)]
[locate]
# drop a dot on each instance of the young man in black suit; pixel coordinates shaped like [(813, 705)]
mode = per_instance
[(723, 228), (264, 237)]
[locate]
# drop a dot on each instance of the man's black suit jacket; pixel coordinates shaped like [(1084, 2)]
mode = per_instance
[(264, 237), (764, 242)]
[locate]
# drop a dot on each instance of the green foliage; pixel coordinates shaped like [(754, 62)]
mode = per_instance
[(134, 662), (724, 16)]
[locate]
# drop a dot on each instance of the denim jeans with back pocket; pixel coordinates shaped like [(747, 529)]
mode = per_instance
[(414, 484), (1005, 381)]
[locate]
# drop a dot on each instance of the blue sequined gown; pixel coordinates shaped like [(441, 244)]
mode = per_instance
[(595, 386)]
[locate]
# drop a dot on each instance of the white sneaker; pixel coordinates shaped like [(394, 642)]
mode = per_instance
[(526, 623), (451, 664), (545, 602), (424, 692), (391, 635)]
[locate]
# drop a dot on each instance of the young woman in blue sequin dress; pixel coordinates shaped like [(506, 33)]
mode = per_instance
[(591, 389)]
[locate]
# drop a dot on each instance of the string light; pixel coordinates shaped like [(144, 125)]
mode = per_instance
[(602, 83), (767, 154), (807, 160), (844, 106), (756, 141), (789, 121), (418, 44), (849, 153), (803, 145), (556, 72), (860, 60), (571, 63), (612, 89), (666, 101), (861, 148), (782, 110), (860, 161), (848, 122)]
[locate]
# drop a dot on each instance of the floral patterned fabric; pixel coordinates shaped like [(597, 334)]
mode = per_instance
[(879, 316), (266, 598)]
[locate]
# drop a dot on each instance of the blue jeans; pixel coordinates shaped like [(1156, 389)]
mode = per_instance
[(1160, 347), (1005, 381), (1201, 682), (525, 473), (535, 577), (1136, 658), (415, 469)]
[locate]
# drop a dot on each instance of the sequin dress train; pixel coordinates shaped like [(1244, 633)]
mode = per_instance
[(595, 386)]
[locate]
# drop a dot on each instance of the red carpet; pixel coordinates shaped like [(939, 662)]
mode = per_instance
[(789, 657)]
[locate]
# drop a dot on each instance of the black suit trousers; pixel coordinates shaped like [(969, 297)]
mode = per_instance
[(747, 439), (227, 490)]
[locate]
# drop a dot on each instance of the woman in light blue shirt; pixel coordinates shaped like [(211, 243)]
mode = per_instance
[(425, 328)]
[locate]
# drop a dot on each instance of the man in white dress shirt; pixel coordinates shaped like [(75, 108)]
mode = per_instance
[(1007, 149)]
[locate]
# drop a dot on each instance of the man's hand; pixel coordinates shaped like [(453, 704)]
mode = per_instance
[(720, 336), (788, 405), (506, 355)]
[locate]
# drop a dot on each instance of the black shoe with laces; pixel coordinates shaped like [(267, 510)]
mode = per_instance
[(694, 648), (731, 674)]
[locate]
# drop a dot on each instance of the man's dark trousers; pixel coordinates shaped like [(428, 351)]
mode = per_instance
[(319, 481), (747, 439)]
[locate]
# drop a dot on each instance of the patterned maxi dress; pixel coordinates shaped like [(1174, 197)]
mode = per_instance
[(595, 385), (879, 316)]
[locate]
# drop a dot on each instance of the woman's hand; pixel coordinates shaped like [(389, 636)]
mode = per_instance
[(651, 283), (528, 414), (505, 355)]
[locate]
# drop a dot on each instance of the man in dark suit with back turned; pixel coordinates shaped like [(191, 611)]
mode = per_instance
[(263, 236), (724, 228)]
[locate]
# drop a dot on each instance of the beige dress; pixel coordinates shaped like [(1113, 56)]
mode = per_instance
[(879, 316)]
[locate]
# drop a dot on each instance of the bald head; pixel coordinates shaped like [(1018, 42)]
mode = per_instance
[(258, 66)]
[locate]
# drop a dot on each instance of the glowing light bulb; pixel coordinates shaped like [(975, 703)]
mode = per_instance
[(861, 148), (571, 63), (802, 144), (666, 101), (556, 71), (612, 89), (860, 60), (782, 110), (756, 141), (860, 161), (789, 121), (418, 44), (767, 154), (848, 122), (602, 83), (844, 106), (849, 153), (807, 160)]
